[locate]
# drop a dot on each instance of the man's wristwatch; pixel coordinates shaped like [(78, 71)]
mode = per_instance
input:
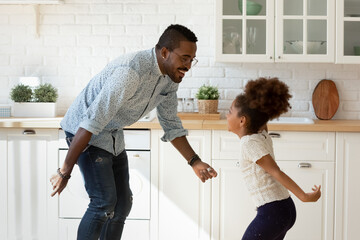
[(194, 159), (63, 175)]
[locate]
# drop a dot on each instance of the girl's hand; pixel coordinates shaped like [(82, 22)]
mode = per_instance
[(313, 196), (58, 183), (203, 170)]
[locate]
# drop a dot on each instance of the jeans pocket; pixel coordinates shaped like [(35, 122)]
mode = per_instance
[(69, 140)]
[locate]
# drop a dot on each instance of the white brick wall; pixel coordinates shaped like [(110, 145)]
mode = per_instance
[(78, 38)]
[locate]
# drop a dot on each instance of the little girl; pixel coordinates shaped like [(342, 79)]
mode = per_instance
[(263, 100)]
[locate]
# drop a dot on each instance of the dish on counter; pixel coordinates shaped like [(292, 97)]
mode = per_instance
[(292, 120)]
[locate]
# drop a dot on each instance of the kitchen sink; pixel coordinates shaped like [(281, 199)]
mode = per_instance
[(292, 120)]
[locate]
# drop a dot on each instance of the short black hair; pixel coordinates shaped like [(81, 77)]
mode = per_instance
[(173, 35)]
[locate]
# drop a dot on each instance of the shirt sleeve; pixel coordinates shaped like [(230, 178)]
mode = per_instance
[(253, 150), (167, 115), (117, 88)]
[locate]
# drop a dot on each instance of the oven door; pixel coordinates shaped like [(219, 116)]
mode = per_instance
[(73, 200)]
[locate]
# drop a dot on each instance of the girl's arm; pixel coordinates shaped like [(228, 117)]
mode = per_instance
[(270, 166)]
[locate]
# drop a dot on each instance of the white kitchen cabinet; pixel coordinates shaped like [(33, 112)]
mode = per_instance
[(181, 200), (29, 158), (232, 208), (282, 31), (287, 145), (347, 191), (348, 31), (314, 221)]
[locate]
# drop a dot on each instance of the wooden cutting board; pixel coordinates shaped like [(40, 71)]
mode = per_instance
[(325, 99)]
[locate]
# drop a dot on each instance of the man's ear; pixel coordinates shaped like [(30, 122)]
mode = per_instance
[(164, 52)]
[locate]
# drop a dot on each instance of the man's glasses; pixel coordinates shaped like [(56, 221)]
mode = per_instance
[(187, 60)]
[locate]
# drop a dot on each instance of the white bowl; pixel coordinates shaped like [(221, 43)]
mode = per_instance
[(313, 47)]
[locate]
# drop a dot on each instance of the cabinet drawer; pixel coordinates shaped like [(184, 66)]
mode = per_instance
[(225, 145), (319, 146)]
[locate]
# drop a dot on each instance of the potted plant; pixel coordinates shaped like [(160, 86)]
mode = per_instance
[(207, 99), (21, 93), (40, 102)]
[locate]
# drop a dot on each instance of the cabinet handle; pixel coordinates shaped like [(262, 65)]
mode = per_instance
[(304, 165), (136, 156), (29, 132), (279, 57), (275, 135), (237, 164), (270, 57)]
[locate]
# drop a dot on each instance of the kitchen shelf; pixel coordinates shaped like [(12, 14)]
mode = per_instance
[(35, 4), (31, 2)]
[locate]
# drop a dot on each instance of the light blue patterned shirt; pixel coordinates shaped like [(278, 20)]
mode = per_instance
[(127, 89)]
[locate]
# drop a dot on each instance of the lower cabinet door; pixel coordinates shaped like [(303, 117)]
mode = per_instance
[(28, 159), (233, 209), (347, 208), (183, 200), (314, 221), (133, 229)]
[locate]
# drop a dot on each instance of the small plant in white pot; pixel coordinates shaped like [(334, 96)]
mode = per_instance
[(208, 99), (38, 103)]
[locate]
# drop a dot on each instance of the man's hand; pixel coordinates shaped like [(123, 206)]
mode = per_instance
[(203, 170), (58, 183)]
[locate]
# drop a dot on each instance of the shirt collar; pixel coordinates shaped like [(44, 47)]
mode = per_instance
[(157, 70)]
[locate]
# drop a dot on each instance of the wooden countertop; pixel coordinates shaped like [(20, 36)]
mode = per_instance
[(318, 126)]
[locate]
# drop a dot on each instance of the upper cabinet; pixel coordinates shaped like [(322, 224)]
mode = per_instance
[(245, 30), (348, 31), (275, 31)]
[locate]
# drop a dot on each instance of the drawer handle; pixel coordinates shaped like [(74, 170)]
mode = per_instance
[(275, 135), (136, 156), (29, 132), (304, 165), (237, 164)]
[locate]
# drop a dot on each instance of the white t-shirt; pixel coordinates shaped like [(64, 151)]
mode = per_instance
[(262, 186)]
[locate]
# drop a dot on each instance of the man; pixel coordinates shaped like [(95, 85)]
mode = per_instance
[(124, 91)]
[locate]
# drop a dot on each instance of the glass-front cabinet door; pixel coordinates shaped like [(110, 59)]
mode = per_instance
[(275, 31), (348, 31), (305, 31), (244, 30)]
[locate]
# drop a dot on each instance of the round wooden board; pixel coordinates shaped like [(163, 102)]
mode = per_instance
[(325, 99)]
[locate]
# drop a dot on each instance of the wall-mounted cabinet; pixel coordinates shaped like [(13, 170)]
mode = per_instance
[(275, 31), (348, 31)]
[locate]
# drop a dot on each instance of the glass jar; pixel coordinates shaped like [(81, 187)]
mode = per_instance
[(180, 105), (189, 105)]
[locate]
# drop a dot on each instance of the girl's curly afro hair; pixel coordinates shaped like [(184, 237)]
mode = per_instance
[(263, 99)]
